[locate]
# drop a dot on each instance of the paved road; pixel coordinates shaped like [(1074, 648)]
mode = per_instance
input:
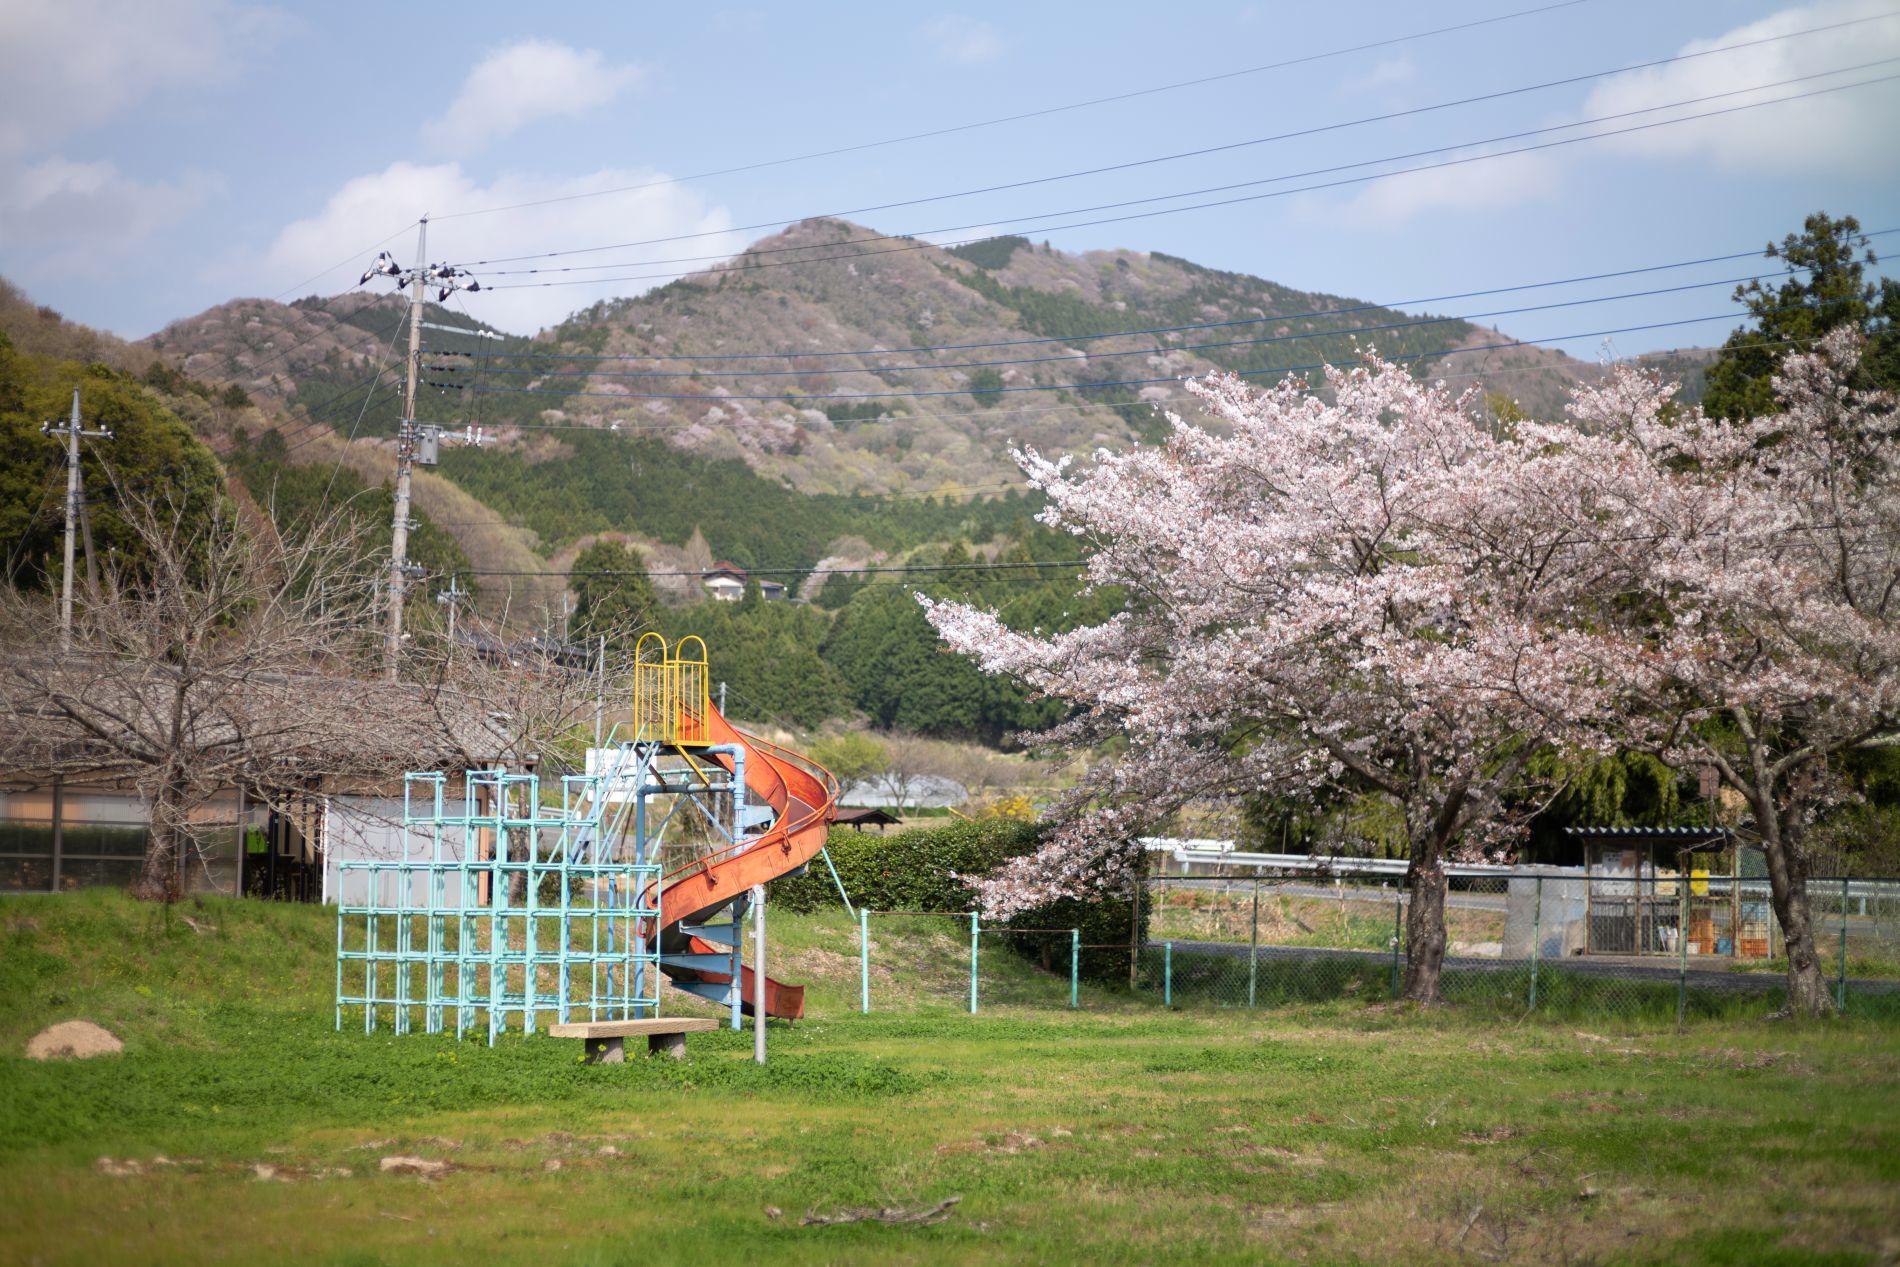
[(1700, 978)]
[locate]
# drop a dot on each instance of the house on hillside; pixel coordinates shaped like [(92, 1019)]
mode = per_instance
[(727, 581)]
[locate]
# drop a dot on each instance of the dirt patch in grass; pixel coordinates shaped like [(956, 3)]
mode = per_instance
[(73, 1040)]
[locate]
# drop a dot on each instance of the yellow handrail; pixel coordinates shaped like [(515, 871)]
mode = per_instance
[(671, 691)]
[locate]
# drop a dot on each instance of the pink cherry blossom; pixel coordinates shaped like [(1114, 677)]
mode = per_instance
[(1373, 587)]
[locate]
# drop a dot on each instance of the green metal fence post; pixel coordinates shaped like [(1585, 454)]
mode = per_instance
[(1167, 974), (1075, 967), (1398, 932), (1537, 936), (974, 931), (864, 961), (1840, 991), (1253, 946)]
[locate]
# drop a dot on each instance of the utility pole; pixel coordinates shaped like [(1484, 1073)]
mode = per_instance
[(451, 598), (414, 442), (405, 461), (600, 689), (72, 432)]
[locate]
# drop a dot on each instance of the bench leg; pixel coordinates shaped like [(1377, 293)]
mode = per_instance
[(606, 1051), (673, 1045)]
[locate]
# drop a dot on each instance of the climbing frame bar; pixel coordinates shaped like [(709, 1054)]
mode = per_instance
[(506, 909)]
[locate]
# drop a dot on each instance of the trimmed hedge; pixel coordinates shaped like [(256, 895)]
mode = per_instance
[(916, 870)]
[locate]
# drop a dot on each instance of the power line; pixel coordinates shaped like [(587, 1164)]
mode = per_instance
[(361, 414), (943, 491), (991, 413), (1097, 386), (1019, 567), (323, 306), (1201, 152), (911, 244), (319, 415), (1144, 351), (969, 490), (646, 427), (896, 569), (1393, 305), (351, 258), (1030, 114)]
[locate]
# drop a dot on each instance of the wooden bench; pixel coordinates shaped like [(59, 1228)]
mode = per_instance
[(606, 1040)]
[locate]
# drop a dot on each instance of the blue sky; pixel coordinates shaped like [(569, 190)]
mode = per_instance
[(160, 157)]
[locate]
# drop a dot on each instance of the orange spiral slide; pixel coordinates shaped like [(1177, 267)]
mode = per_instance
[(804, 799)]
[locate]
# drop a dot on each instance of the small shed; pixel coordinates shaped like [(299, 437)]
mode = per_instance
[(859, 819), (1674, 891)]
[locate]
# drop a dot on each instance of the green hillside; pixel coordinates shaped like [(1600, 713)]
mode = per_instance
[(857, 411)]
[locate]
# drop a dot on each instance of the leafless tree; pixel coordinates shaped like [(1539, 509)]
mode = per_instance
[(533, 701), (222, 654), (911, 763)]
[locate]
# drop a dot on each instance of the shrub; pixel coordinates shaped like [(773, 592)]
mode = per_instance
[(918, 870)]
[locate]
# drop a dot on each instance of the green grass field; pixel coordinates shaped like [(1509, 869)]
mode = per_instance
[(238, 1126)]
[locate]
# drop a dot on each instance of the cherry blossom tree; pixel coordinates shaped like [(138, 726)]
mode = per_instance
[(1367, 591), (1757, 568)]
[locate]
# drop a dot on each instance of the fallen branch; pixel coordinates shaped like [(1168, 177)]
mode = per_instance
[(1470, 1221), (890, 1215)]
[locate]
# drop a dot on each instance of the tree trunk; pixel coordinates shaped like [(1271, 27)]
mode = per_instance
[(1137, 933), (160, 875), (1425, 921), (1788, 887)]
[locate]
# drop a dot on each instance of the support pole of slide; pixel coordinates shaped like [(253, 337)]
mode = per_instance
[(758, 974), (842, 895), (864, 961)]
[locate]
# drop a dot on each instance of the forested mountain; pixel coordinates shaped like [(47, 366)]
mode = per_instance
[(828, 397), (882, 368)]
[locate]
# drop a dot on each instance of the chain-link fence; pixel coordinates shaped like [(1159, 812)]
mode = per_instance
[(1562, 943), (1566, 944)]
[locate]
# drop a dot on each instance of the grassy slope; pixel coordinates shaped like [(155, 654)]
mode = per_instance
[(1325, 1133)]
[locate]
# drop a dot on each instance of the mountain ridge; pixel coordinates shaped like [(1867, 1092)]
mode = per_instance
[(847, 374)]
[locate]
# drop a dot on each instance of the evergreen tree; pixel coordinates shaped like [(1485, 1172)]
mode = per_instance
[(1829, 290), (151, 453), (612, 594)]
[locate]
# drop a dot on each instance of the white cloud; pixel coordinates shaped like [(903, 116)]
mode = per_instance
[(66, 65), (369, 207), (1477, 188), (71, 218), (963, 40), (522, 84), (1840, 133)]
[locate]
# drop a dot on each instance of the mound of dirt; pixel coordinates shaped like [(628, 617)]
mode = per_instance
[(77, 1039)]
